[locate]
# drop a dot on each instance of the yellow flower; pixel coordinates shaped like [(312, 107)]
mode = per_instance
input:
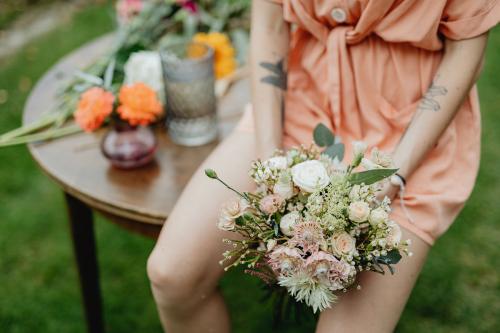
[(225, 62)]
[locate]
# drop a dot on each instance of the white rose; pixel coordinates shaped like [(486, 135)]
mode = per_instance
[(377, 216), (277, 162), (310, 176), (343, 244), (288, 221), (394, 235), (145, 67), (359, 211)]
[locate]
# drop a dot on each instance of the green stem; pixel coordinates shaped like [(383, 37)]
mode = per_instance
[(43, 122), (47, 135)]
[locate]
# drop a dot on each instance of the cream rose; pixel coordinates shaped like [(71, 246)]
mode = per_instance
[(394, 235), (377, 216), (359, 211), (277, 162), (288, 221), (310, 176), (343, 244)]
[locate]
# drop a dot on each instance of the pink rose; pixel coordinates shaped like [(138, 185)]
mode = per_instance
[(271, 203)]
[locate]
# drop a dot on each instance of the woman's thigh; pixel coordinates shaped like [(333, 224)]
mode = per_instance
[(190, 245), (381, 300)]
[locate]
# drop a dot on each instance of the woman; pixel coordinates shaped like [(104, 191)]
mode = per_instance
[(397, 74)]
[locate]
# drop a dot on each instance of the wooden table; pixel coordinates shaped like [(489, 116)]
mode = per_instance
[(138, 200)]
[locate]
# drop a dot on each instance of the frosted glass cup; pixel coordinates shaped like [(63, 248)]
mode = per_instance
[(188, 71)]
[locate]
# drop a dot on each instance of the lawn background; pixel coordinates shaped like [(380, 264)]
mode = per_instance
[(458, 290)]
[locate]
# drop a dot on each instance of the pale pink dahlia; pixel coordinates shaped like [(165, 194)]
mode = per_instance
[(307, 235)]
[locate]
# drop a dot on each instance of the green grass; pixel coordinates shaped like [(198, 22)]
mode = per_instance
[(457, 291)]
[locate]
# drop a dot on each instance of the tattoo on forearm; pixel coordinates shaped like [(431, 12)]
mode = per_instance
[(277, 77), (428, 101)]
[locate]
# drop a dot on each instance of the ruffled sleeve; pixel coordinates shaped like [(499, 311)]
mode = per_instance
[(464, 19)]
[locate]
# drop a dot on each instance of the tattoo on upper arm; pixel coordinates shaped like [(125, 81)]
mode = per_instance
[(277, 76), (428, 101)]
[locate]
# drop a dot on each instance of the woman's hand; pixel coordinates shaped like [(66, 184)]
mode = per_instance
[(388, 190)]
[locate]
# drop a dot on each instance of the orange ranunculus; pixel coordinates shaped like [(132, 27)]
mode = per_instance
[(139, 104), (225, 62), (94, 106)]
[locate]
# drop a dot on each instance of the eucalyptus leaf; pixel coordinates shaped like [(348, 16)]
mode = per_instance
[(391, 258), (336, 150), (323, 137), (371, 176)]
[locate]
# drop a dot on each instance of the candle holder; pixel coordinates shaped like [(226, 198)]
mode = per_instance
[(188, 71)]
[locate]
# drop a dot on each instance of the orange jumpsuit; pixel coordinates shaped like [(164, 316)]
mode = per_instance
[(362, 66)]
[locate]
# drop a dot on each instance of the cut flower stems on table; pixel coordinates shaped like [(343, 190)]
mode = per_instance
[(313, 223)]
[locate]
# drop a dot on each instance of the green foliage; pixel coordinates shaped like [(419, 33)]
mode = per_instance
[(370, 176), (322, 135)]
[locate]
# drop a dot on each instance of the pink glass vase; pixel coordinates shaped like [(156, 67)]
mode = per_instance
[(129, 147)]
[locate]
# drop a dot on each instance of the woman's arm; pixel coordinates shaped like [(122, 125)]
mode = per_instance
[(457, 73), (269, 47)]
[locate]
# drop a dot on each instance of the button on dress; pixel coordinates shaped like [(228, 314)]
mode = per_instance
[(361, 67)]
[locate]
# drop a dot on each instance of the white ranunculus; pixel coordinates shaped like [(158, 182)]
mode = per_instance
[(377, 216), (359, 211), (310, 176), (394, 235), (288, 221), (145, 67), (277, 162), (343, 244)]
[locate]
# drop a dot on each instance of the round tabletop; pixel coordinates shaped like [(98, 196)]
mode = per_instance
[(145, 195)]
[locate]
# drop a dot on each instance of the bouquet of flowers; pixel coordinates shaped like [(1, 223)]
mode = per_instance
[(314, 223)]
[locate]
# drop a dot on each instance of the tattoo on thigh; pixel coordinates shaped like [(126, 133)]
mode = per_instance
[(428, 101)]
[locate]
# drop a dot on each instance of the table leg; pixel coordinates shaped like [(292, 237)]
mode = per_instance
[(82, 233)]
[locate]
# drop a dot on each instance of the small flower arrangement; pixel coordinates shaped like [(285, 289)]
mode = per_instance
[(138, 105), (314, 223)]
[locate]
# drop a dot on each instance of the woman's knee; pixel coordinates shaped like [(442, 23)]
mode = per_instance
[(175, 284)]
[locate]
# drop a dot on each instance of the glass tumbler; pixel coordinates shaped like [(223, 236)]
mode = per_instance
[(188, 71)]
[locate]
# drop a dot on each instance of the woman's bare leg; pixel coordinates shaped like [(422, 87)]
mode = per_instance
[(378, 305), (184, 266)]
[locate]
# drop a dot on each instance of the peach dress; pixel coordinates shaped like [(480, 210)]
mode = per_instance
[(361, 67)]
